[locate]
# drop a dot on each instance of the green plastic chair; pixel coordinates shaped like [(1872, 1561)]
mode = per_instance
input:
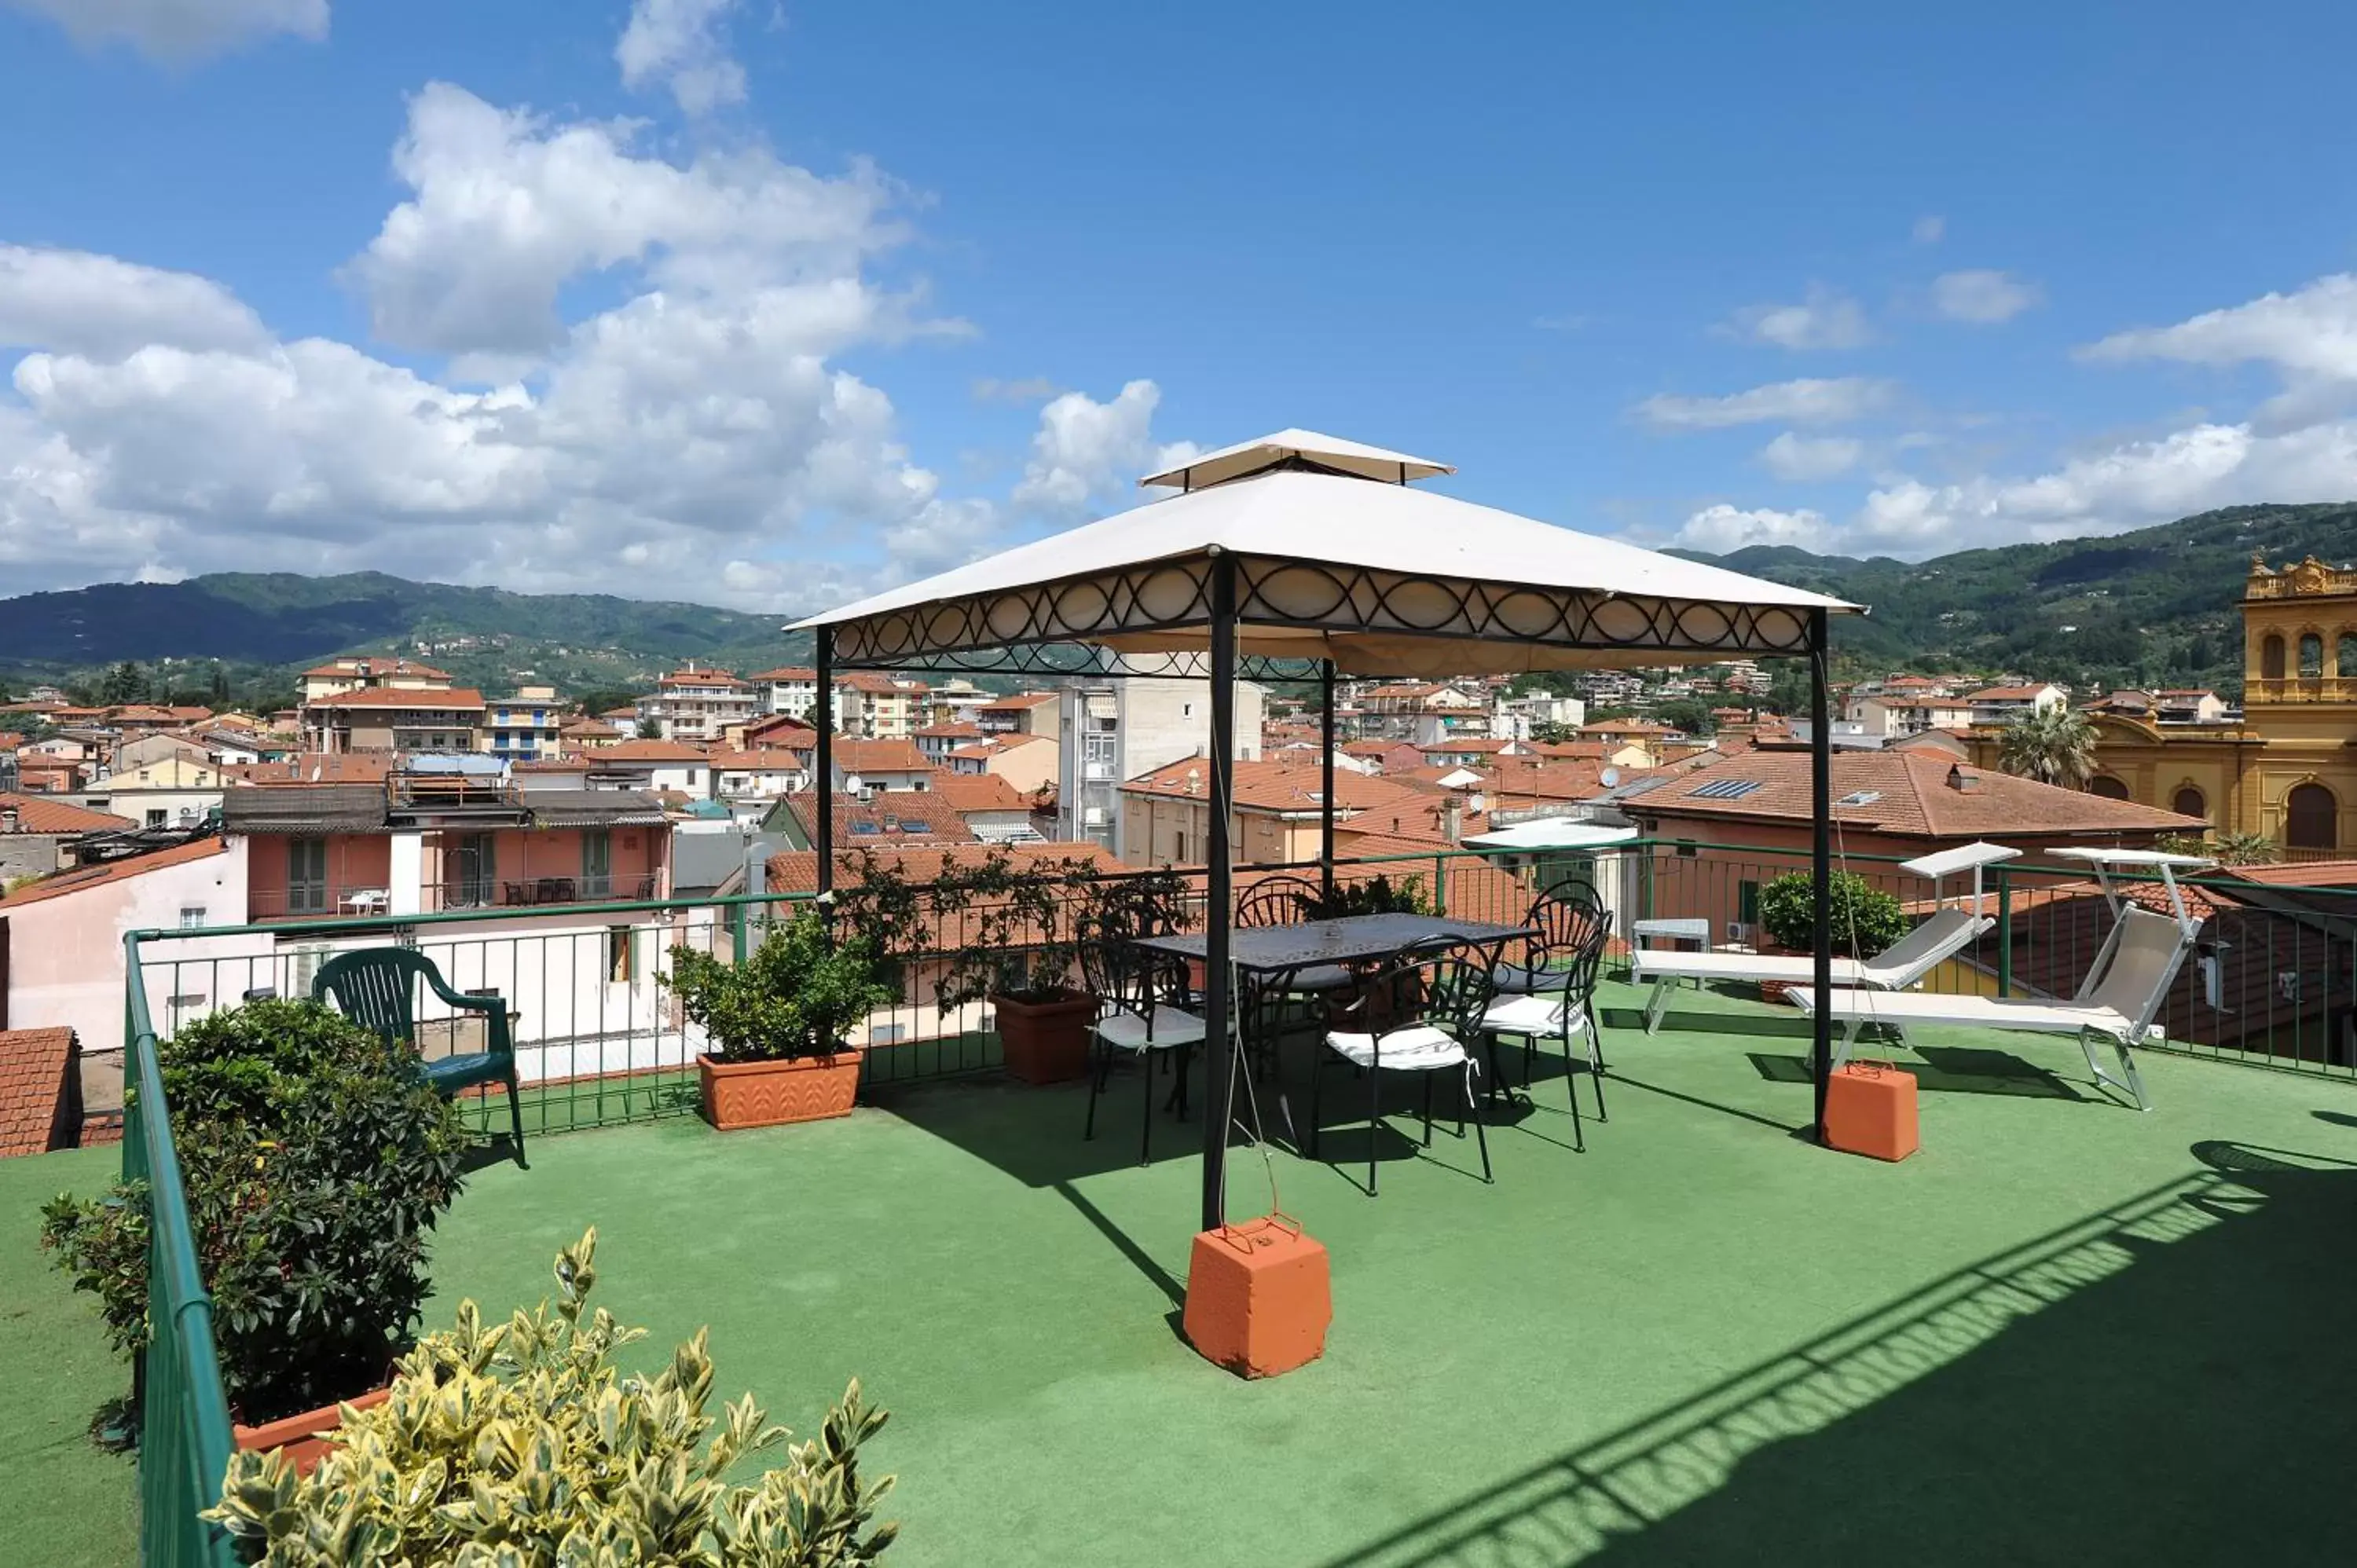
[(373, 987)]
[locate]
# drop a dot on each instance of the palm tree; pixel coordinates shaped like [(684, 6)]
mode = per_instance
[(2243, 849), (2053, 746)]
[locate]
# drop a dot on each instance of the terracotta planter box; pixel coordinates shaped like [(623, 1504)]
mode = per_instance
[(768, 1094), (304, 1438), (1046, 1042)]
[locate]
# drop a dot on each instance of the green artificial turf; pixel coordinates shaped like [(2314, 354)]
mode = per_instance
[(64, 1502), (2063, 1332)]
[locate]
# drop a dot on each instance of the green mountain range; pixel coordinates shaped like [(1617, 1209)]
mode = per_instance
[(258, 622), (2150, 608), (2154, 607)]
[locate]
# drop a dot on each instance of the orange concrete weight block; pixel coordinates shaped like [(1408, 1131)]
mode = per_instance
[(1259, 1296), (1870, 1110)]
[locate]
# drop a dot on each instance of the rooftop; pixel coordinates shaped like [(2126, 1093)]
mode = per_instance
[(109, 870), (1912, 794), (41, 814), (421, 697), (37, 1104), (1700, 1341)]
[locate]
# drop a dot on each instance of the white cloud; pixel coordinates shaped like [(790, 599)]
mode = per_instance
[(1722, 528), (692, 439), (180, 31), (2131, 485), (1810, 401), (1825, 320), (1929, 230), (1982, 296), (508, 208), (678, 44), (1087, 451), (2311, 331), (1803, 457), (107, 308)]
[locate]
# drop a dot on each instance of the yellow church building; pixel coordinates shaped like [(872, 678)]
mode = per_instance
[(2287, 769)]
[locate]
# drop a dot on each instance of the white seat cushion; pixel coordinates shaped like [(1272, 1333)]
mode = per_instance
[(1537, 1015), (1172, 1026), (1415, 1048)]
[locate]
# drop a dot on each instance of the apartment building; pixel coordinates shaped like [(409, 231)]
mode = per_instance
[(1112, 731), (873, 707), (366, 671), (395, 719), (791, 689), (2003, 704), (1027, 712), (696, 702), (525, 727)]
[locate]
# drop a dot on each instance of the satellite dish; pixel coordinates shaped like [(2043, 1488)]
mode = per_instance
[(1609, 777)]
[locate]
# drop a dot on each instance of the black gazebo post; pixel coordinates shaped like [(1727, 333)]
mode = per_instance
[(1326, 788), (822, 760), (1821, 792), (1219, 1073)]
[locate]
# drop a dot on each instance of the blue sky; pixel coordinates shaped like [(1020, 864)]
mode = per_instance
[(766, 304)]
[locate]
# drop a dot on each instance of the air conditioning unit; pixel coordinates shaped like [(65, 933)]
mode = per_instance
[(1093, 816), (303, 963), (1741, 933)]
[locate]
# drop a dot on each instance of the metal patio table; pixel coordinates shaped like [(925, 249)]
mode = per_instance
[(1265, 950)]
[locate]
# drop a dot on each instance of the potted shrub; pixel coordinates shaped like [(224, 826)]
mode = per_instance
[(1865, 919), (778, 1023), (1377, 895), (518, 1442), (315, 1163), (995, 931)]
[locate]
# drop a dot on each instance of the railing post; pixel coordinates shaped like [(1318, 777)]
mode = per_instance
[(2003, 931), (1440, 883)]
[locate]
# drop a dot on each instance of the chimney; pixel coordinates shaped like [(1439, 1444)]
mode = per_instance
[(1194, 780), (7, 818), (1452, 821)]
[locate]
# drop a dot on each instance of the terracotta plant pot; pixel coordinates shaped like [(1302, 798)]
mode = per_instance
[(1775, 990), (303, 1438), (1046, 1042), (767, 1094)]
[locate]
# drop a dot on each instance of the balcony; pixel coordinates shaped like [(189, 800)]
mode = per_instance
[(1696, 1339), (2300, 688)]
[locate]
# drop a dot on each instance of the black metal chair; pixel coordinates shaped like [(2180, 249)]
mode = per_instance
[(1275, 901), (1564, 1007), (1573, 929), (1282, 901), (1137, 1015), (1421, 1014)]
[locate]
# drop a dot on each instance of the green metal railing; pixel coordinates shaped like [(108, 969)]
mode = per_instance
[(184, 1423)]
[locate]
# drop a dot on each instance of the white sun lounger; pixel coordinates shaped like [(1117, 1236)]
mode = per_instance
[(1897, 967), (1906, 962), (2118, 1001)]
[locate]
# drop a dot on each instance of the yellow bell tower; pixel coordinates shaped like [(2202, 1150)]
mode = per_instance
[(2299, 697)]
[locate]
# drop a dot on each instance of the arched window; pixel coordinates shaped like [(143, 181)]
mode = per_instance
[(2344, 661), (2271, 660), (2109, 787), (2311, 818), (2189, 802), (2311, 656)]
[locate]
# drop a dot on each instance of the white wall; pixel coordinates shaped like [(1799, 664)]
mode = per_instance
[(65, 952)]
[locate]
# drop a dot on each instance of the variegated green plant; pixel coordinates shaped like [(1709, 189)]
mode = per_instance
[(519, 1446)]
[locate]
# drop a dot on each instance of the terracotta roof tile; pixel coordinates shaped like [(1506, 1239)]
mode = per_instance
[(40, 1097), (40, 814), (855, 754), (1912, 796), (74, 881), (652, 751), (401, 697), (890, 817), (977, 792)]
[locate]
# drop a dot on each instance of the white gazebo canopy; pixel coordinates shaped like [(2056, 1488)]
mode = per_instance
[(1335, 556)]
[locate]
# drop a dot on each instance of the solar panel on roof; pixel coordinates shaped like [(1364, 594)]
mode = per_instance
[(1859, 798), (1726, 790)]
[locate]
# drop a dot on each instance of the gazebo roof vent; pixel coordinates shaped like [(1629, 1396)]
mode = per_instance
[(1298, 449)]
